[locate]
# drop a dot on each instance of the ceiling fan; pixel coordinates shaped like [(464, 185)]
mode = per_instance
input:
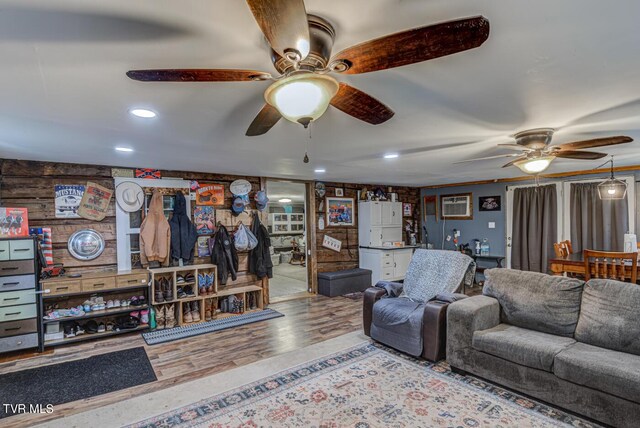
[(301, 46), (537, 154)]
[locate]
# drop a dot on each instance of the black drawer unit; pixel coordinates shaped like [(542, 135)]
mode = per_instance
[(19, 297)]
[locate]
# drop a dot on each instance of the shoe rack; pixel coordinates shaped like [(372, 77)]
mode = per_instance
[(204, 303)]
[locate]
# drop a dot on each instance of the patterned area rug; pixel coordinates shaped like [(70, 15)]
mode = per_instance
[(367, 386), (167, 335)]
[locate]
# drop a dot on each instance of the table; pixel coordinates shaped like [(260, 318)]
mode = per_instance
[(492, 257), (572, 264)]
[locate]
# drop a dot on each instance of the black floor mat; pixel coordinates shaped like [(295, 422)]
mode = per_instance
[(73, 380)]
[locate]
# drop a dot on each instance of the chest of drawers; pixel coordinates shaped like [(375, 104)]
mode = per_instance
[(18, 297)]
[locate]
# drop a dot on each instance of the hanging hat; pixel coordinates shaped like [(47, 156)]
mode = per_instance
[(240, 187), (237, 207), (261, 200), (129, 196)]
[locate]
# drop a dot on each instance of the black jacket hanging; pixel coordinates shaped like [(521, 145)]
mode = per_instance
[(183, 232), (260, 262), (224, 255)]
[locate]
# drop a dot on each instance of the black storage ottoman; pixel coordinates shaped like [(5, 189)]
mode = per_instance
[(342, 282)]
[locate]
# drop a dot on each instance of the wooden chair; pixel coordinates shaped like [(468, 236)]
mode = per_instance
[(611, 265), (563, 249)]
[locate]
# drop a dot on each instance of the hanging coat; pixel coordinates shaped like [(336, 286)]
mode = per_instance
[(155, 234), (183, 232), (260, 262), (224, 255)]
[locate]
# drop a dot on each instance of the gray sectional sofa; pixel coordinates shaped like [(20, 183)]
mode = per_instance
[(571, 344)]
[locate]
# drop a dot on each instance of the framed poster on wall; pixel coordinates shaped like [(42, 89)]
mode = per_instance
[(340, 211)]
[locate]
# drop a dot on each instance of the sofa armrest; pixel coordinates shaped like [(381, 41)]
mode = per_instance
[(464, 317), (450, 297), (371, 296)]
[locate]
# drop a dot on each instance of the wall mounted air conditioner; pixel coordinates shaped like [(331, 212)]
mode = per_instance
[(456, 207)]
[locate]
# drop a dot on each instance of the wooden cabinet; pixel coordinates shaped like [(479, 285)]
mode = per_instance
[(379, 223), (386, 265), (18, 298)]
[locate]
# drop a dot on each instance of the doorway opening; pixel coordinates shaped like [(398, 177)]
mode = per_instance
[(287, 224)]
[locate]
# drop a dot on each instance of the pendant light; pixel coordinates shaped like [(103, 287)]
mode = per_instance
[(612, 188)]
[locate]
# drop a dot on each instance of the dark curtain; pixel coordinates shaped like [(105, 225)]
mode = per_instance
[(535, 223), (596, 224)]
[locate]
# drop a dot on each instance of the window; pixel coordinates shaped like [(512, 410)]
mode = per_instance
[(128, 224)]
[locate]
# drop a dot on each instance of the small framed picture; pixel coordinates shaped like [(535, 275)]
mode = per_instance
[(490, 203), (340, 211), (339, 192), (407, 209)]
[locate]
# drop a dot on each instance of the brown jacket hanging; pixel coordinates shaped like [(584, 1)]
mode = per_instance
[(155, 234)]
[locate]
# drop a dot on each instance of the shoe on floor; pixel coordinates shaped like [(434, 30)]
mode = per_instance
[(170, 313), (167, 289), (208, 303), (186, 313), (157, 291), (195, 311), (160, 317), (69, 331)]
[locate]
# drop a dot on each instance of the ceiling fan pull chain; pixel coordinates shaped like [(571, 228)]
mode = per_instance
[(306, 156)]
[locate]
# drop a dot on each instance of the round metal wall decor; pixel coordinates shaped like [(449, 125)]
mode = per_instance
[(86, 244), (320, 189), (240, 187)]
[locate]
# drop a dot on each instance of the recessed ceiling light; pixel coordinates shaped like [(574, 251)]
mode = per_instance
[(284, 200), (320, 170), (124, 149), (391, 156), (143, 112)]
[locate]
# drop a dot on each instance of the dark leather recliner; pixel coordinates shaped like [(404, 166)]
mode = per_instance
[(412, 316), (434, 321)]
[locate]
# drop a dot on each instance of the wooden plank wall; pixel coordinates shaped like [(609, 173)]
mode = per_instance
[(347, 258), (30, 184)]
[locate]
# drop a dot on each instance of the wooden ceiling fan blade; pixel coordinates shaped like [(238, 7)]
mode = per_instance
[(197, 75), (264, 121), (360, 105), (597, 142), (510, 155), (412, 46), (579, 154), (284, 23), (508, 164)]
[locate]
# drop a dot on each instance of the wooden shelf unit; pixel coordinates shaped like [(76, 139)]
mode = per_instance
[(105, 284), (215, 298)]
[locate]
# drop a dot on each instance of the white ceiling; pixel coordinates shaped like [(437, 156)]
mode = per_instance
[(64, 96)]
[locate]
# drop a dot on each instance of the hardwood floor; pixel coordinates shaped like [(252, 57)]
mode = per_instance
[(306, 321)]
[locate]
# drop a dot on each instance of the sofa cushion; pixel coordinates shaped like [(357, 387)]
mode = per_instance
[(610, 315), (616, 373), (397, 322), (522, 346), (550, 304)]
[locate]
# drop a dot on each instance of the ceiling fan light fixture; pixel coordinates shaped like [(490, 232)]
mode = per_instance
[(302, 98), (534, 165)]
